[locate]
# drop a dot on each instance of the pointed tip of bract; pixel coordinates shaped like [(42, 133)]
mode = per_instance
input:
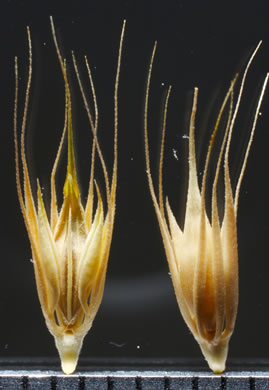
[(215, 355), (69, 347)]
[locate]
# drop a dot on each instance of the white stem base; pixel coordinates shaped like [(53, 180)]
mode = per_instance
[(215, 355), (69, 347)]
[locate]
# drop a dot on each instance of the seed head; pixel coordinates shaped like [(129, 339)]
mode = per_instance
[(70, 247), (202, 256)]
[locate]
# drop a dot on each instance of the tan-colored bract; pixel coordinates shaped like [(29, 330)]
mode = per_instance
[(71, 250), (202, 256)]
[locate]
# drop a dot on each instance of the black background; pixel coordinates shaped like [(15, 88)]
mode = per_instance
[(199, 44)]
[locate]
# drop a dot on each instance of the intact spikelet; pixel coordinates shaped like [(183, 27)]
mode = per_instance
[(202, 256), (71, 247)]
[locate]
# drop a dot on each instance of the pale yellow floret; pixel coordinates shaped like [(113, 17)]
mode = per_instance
[(202, 256), (70, 250)]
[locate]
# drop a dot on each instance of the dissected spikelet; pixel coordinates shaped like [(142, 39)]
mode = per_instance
[(202, 256), (71, 247)]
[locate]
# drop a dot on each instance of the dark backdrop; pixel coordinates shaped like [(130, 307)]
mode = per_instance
[(199, 44)]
